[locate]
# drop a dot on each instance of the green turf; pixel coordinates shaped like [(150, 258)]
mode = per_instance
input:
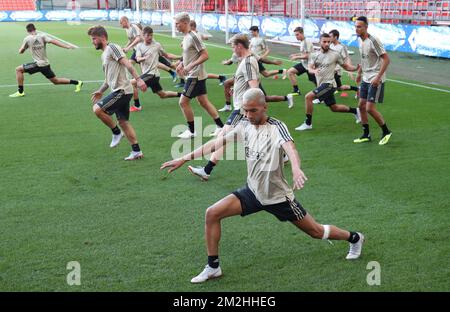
[(65, 196)]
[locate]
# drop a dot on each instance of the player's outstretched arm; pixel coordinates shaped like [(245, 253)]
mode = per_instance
[(61, 45), (298, 176), (203, 150)]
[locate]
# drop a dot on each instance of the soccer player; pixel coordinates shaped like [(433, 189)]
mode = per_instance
[(258, 46), (115, 64), (228, 84), (147, 55), (221, 78), (341, 49), (323, 65), (374, 62), (246, 77), (306, 49), (134, 35), (265, 140), (37, 43), (193, 68)]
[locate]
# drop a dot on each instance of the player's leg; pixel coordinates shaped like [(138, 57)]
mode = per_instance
[(292, 73), (362, 105), (137, 104), (307, 124), (227, 90), (20, 80), (221, 78), (163, 94), (212, 111), (226, 207), (185, 105), (123, 115)]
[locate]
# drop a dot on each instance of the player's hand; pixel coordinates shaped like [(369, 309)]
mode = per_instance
[(375, 82), (173, 164), (186, 70), (292, 57), (141, 84), (299, 179), (96, 96), (179, 69)]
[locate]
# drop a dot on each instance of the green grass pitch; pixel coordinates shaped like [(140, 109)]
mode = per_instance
[(65, 196)]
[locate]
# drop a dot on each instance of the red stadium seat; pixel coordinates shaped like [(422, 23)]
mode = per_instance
[(17, 5)]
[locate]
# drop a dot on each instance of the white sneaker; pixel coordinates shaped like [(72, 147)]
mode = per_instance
[(200, 172), (290, 99), (355, 249), (187, 134), (316, 101), (216, 132), (226, 108), (285, 158), (134, 155), (284, 74), (358, 116), (303, 127), (207, 273), (116, 139)]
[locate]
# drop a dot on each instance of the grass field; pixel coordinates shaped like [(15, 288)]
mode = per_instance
[(65, 196)]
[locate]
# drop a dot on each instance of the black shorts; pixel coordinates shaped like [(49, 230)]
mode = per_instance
[(262, 89), (234, 118), (338, 80), (325, 93), (164, 61), (133, 57), (152, 82), (370, 93), (194, 87), (289, 210), (116, 103), (32, 68), (301, 70), (261, 67)]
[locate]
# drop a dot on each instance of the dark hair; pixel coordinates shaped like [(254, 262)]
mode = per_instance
[(335, 33), (324, 35), (299, 29), (147, 30), (192, 23), (254, 28), (242, 39), (98, 30), (30, 27), (363, 19)]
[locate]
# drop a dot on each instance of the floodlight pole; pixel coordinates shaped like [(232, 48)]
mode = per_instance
[(138, 13), (302, 12), (172, 14), (227, 32)]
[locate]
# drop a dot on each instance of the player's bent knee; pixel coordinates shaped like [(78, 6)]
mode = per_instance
[(316, 232), (211, 215)]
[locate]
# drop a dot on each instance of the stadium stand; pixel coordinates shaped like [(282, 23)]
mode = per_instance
[(416, 12), (17, 5)]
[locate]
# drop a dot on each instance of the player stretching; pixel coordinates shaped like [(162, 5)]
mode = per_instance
[(37, 43)]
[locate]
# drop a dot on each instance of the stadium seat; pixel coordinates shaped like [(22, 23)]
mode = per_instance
[(17, 5)]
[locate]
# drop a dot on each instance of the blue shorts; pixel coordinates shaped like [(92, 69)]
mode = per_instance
[(325, 93), (370, 93)]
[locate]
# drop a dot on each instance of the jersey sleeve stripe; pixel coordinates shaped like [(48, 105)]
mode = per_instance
[(197, 43), (115, 51)]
